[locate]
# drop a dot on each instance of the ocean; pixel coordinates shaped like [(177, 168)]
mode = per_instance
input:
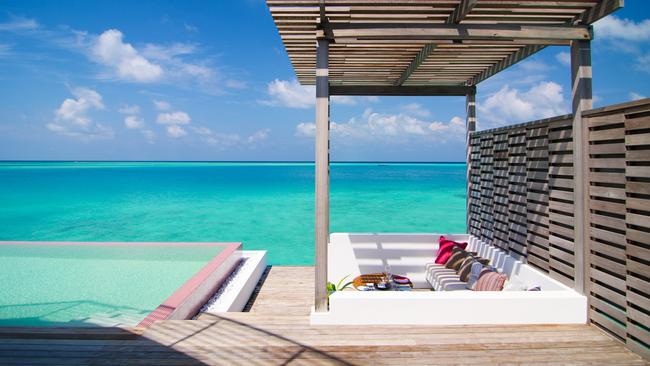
[(266, 206)]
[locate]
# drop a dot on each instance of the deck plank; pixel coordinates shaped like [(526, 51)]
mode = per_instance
[(276, 331)]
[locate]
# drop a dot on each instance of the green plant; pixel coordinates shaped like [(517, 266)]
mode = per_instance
[(331, 288)]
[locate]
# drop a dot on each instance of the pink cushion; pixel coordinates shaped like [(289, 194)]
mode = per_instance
[(444, 249), (490, 281)]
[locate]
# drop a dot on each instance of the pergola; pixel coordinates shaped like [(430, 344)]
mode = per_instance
[(431, 48)]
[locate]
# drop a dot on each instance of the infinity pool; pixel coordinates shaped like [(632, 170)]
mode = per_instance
[(93, 284)]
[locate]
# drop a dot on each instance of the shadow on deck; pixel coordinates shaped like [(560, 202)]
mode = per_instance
[(276, 331)]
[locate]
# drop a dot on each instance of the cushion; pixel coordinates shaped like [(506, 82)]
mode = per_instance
[(490, 281), (457, 257), (444, 249), (466, 267), (475, 271)]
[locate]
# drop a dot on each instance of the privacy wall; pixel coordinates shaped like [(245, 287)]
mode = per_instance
[(521, 199)]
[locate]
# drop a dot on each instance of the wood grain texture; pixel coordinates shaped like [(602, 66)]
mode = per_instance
[(469, 46), (277, 332)]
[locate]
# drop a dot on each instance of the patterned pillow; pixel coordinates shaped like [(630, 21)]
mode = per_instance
[(490, 281), (466, 268), (457, 257)]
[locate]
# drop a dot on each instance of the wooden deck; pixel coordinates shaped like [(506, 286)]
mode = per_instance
[(276, 331)]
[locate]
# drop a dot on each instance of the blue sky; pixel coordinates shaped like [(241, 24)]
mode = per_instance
[(209, 80)]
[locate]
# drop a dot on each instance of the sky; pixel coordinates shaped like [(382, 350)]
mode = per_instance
[(210, 80)]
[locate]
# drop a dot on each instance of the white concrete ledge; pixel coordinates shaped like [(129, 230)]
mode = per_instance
[(240, 288), (409, 254)]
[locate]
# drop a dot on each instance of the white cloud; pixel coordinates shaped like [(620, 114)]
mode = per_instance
[(174, 118), (292, 94), (190, 28), (510, 105), (75, 110), (635, 96), (415, 109), (223, 140), (19, 24), (149, 135), (236, 84), (643, 63), (564, 58), (72, 119), (613, 27), (175, 131), (161, 105), (391, 128), (260, 135), (133, 122), (306, 129), (129, 109), (124, 60), (5, 50)]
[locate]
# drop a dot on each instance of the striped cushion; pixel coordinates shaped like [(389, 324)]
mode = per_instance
[(456, 260), (490, 281), (466, 268)]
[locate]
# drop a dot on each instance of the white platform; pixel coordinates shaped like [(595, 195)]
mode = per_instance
[(235, 294), (409, 254)]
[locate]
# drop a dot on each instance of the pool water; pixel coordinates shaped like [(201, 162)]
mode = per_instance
[(92, 285)]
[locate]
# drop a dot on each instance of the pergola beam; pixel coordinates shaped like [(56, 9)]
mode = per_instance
[(600, 10), (461, 11), (415, 90), (521, 32)]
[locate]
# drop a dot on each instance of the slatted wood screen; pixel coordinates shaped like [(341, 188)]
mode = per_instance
[(619, 189), (521, 200), (512, 170)]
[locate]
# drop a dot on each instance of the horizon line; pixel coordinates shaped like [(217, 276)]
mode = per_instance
[(227, 161)]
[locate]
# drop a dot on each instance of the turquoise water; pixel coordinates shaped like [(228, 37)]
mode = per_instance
[(264, 205), (91, 285)]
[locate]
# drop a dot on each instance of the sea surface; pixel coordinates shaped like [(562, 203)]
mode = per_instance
[(264, 205)]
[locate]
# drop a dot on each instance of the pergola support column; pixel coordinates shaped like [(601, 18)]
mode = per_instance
[(582, 100), (322, 173), (470, 106)]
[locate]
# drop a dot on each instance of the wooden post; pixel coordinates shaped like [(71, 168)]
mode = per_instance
[(582, 101), (322, 173), (470, 107)]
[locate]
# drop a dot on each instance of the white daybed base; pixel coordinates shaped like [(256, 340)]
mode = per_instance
[(409, 254)]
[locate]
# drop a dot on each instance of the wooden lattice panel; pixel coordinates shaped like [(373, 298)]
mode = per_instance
[(619, 189), (475, 187), (537, 247), (637, 217), (517, 188), (487, 188), (500, 149), (561, 210)]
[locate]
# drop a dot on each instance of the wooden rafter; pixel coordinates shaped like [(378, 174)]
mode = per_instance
[(507, 62), (461, 11), (391, 42), (600, 10), (421, 56)]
